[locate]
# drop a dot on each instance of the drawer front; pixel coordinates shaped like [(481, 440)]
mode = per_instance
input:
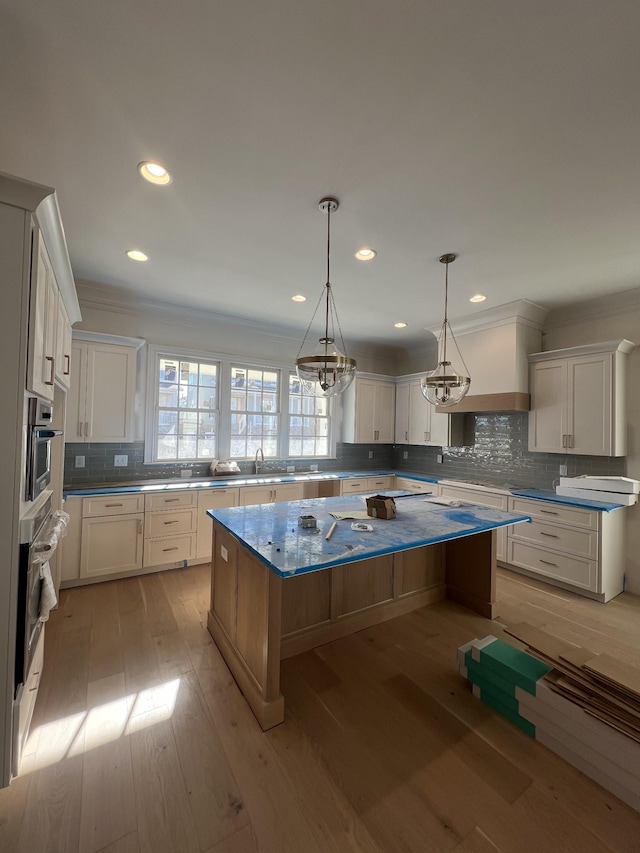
[(216, 498), (568, 540), (376, 483), (475, 496), (171, 500), (561, 567), (114, 505), (560, 513), (169, 523), (354, 486), (157, 552), (418, 486)]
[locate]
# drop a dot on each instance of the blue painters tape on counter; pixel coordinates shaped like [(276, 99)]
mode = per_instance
[(552, 497)]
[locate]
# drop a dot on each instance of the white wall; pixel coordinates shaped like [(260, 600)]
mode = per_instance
[(607, 319)]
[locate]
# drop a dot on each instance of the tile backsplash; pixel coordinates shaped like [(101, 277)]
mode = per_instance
[(495, 452)]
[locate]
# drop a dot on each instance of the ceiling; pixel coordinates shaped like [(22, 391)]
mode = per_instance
[(504, 131)]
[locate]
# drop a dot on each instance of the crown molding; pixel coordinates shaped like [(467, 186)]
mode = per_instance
[(520, 311), (612, 305)]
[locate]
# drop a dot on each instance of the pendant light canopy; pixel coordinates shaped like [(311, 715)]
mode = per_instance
[(326, 370), (446, 385)]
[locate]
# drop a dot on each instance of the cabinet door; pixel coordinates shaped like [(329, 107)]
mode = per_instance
[(402, 413), (548, 426), (288, 492), (110, 392), (419, 416), (250, 495), (63, 346), (74, 430), (365, 411), (111, 544), (43, 315), (590, 410), (385, 412), (211, 499)]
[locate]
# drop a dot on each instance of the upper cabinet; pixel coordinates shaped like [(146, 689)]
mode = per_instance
[(578, 400), (63, 347), (369, 411), (417, 422), (100, 402)]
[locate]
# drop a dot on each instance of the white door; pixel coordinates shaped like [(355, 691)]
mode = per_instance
[(590, 410), (385, 412), (548, 426), (111, 544), (402, 413), (365, 411)]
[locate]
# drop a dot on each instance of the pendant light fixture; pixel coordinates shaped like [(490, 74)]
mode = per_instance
[(326, 371), (446, 385)]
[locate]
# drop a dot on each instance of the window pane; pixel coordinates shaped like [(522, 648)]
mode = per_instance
[(261, 396), (295, 405), (208, 375), (254, 402), (207, 398), (238, 401), (313, 426), (269, 402), (238, 448), (167, 447), (295, 447), (168, 395)]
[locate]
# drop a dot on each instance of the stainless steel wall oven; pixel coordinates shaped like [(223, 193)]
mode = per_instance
[(39, 435)]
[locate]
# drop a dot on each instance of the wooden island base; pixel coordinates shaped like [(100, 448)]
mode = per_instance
[(258, 618)]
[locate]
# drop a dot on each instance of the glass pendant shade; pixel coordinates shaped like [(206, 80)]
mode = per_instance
[(447, 384), (326, 371)]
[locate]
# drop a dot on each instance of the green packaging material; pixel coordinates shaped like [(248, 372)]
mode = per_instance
[(515, 666), (505, 712), (476, 671)]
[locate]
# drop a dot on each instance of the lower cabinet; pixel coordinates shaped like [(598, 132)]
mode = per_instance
[(211, 499), (416, 486), (573, 547), (364, 485), (270, 494), (170, 528), (111, 544)]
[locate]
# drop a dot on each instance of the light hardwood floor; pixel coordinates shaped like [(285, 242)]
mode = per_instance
[(142, 742)]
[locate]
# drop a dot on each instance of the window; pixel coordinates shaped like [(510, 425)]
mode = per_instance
[(187, 409), (308, 421), (255, 415)]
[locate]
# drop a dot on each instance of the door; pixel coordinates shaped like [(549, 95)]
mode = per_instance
[(385, 412), (548, 426), (111, 544), (402, 413), (365, 411), (43, 315), (590, 409), (419, 415)]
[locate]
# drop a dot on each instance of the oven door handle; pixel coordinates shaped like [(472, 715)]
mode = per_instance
[(47, 433)]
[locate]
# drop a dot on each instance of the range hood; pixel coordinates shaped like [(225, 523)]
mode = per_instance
[(495, 344)]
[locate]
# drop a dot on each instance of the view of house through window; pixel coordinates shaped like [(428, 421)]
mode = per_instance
[(308, 421), (187, 409), (255, 416)]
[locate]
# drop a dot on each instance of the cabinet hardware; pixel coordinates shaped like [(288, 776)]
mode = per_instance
[(110, 505), (139, 525), (67, 370), (80, 428), (564, 440), (570, 438), (550, 535), (406, 436), (175, 521), (86, 429), (547, 563), (175, 548), (549, 511), (53, 369), (171, 500)]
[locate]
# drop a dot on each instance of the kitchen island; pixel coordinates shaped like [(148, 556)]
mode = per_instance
[(279, 589)]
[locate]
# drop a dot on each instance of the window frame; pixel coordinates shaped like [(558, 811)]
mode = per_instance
[(225, 362)]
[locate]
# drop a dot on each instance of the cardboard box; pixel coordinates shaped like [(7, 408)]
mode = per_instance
[(380, 506)]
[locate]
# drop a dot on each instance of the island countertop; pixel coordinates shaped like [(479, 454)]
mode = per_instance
[(271, 531)]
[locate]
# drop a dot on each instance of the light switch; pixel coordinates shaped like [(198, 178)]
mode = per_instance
[(405, 454), (121, 461), (224, 553), (79, 461)]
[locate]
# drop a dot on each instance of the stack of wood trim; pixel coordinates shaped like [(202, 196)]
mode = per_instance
[(584, 707)]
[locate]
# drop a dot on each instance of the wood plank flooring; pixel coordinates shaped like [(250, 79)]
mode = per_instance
[(141, 740)]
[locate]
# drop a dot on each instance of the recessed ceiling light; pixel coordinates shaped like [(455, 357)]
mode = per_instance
[(400, 325), (479, 297), (154, 173), (365, 254), (299, 298), (137, 255)]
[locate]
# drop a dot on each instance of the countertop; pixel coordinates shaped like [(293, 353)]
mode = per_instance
[(266, 478), (272, 533)]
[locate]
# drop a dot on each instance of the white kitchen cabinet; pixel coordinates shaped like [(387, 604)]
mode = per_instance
[(483, 497), (211, 499), (111, 544), (63, 347), (366, 485), (170, 522), (416, 486), (271, 493), (369, 412), (573, 547), (578, 400), (43, 317), (418, 423), (100, 402)]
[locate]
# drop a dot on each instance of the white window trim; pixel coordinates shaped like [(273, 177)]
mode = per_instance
[(224, 361)]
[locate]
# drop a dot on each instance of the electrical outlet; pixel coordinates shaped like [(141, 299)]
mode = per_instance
[(563, 470), (313, 467), (405, 454), (371, 454), (120, 461), (439, 458), (186, 472), (291, 469), (79, 461)]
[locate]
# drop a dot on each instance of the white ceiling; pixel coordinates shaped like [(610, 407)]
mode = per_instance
[(505, 131)]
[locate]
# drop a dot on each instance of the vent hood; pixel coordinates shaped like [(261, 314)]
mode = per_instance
[(495, 344)]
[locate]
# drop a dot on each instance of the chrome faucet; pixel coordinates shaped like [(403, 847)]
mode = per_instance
[(257, 464)]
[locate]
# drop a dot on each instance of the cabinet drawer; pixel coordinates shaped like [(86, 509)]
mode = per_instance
[(169, 550), (375, 483), (171, 500), (562, 567), (561, 513), (169, 523), (114, 505), (418, 486), (354, 486), (476, 496), (568, 540)]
